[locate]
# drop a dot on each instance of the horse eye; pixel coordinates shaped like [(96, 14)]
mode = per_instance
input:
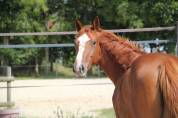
[(93, 43)]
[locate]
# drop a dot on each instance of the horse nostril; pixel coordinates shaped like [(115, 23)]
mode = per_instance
[(81, 69)]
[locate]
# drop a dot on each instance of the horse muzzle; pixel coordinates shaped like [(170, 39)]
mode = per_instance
[(81, 70)]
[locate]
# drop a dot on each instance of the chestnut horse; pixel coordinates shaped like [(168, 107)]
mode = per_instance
[(146, 85)]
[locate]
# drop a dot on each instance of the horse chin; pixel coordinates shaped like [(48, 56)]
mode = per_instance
[(81, 75)]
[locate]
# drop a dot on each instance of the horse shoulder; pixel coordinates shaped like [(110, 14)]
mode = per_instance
[(150, 63), (144, 83), (146, 65)]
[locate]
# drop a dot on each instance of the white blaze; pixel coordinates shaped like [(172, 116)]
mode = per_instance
[(82, 41)]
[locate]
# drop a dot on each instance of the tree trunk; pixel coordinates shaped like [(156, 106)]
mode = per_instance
[(46, 60), (36, 66)]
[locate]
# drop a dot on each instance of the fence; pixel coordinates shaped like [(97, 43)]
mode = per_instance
[(172, 28), (46, 46), (8, 79)]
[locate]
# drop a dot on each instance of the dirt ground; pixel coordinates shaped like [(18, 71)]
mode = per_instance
[(41, 98)]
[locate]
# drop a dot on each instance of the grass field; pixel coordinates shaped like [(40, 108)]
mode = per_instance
[(103, 113), (106, 113), (60, 71)]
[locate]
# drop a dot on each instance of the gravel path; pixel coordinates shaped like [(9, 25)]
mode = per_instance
[(42, 97)]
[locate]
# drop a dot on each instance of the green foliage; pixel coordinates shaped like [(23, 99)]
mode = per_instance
[(21, 16), (16, 56), (33, 16)]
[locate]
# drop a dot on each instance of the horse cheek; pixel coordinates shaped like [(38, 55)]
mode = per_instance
[(96, 56)]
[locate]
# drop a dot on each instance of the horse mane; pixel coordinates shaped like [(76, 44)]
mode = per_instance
[(118, 47), (113, 42)]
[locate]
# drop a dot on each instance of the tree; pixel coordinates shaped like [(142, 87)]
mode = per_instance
[(22, 16)]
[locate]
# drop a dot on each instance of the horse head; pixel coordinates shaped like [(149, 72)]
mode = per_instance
[(87, 47)]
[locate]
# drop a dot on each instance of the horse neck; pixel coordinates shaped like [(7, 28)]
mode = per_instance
[(117, 56), (111, 67)]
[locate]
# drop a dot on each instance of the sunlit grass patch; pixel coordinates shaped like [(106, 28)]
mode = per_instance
[(60, 113), (105, 113)]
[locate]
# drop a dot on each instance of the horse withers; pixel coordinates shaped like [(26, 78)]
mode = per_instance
[(146, 85)]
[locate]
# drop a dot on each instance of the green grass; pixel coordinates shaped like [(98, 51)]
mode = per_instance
[(64, 71), (60, 71), (24, 116), (102, 113), (105, 113)]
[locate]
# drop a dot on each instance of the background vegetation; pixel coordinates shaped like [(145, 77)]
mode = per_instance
[(59, 15)]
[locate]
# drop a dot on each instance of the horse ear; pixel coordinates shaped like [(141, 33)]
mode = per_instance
[(96, 23), (78, 25)]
